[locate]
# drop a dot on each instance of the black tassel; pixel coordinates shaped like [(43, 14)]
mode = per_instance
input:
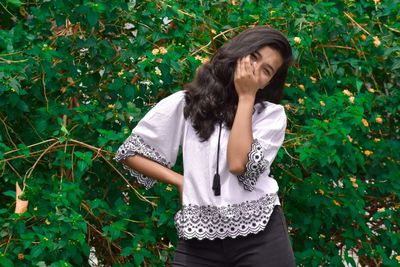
[(217, 185)]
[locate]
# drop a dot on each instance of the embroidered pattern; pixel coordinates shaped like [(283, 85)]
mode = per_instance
[(210, 222), (255, 166), (134, 145)]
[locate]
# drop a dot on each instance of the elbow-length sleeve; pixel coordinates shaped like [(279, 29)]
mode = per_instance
[(268, 136), (157, 136)]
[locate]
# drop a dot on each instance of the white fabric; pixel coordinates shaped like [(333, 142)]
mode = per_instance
[(240, 209)]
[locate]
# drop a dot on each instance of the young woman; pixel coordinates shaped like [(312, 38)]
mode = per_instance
[(230, 126)]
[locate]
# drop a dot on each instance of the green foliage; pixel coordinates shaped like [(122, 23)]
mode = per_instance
[(76, 76)]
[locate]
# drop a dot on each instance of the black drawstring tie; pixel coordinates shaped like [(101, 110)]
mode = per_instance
[(217, 180)]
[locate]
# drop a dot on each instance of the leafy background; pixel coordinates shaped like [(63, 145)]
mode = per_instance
[(76, 76)]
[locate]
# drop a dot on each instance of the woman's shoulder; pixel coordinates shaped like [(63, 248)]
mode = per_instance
[(174, 100), (174, 97), (269, 109)]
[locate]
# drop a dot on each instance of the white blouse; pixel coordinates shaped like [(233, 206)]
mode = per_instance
[(246, 201)]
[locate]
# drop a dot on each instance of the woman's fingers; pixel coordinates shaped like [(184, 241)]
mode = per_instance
[(246, 78)]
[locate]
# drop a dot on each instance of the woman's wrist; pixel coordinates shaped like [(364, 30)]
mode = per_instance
[(247, 97)]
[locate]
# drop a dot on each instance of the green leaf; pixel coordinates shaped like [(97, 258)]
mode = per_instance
[(5, 262), (9, 193), (92, 17), (127, 251), (17, 3)]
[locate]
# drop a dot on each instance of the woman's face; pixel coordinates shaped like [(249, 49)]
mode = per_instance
[(265, 62)]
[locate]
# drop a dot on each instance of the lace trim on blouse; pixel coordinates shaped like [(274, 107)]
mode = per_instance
[(210, 222), (134, 145), (255, 166)]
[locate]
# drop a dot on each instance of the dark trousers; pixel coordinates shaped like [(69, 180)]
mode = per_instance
[(270, 247)]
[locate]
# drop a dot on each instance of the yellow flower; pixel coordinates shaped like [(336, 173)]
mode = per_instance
[(322, 103), (376, 140), (326, 121), (321, 191), (168, 188), (322, 235), (398, 257), (353, 179), (377, 42), (301, 87), (350, 139), (287, 106), (363, 37), (368, 153), (157, 71), (301, 101), (287, 84), (297, 40), (336, 202), (21, 256), (110, 106), (347, 92), (378, 120), (313, 80), (155, 51), (377, 2), (163, 51), (204, 60), (351, 99), (365, 122), (371, 90)]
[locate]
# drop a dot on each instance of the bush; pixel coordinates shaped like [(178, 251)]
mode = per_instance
[(76, 76)]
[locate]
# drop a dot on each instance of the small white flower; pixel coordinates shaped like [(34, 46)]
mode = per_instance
[(297, 40), (129, 26)]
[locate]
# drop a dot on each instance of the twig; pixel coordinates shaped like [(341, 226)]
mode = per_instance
[(284, 148), (8, 134), (210, 42), (13, 61), (44, 91), (336, 46), (30, 170), (12, 168), (16, 150), (327, 60), (5, 8), (392, 29), (9, 54), (358, 25)]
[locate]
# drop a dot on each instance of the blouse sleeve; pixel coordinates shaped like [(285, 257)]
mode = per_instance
[(268, 136), (157, 136)]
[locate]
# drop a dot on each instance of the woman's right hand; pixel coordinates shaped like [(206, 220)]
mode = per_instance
[(245, 78)]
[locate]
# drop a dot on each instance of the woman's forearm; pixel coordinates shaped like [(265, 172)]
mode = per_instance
[(154, 170), (241, 136)]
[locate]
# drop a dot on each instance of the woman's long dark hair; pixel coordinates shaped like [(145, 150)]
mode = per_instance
[(211, 96)]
